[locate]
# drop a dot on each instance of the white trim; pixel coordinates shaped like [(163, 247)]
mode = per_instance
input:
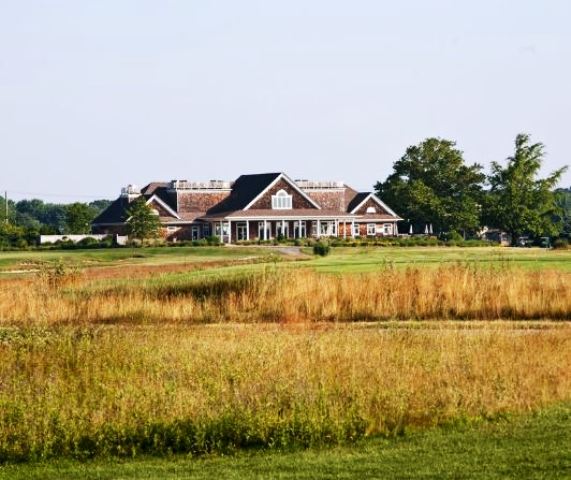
[(292, 184), (379, 201), (301, 217), (162, 204)]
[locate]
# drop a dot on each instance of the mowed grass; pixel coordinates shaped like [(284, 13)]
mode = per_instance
[(26, 260), (533, 446), (363, 259)]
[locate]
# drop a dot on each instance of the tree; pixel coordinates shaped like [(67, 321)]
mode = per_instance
[(142, 222), (78, 218), (432, 184), (518, 202)]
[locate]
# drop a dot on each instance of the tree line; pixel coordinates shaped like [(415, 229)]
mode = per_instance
[(28, 219), (432, 184)]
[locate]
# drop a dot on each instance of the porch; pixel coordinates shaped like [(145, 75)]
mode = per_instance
[(231, 231)]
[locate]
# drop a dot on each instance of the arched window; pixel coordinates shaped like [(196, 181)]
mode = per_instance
[(371, 210), (281, 200)]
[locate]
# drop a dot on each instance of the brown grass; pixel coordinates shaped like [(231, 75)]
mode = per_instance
[(282, 295)]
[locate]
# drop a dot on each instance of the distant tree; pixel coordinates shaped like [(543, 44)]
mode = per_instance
[(142, 222), (78, 218), (99, 205), (431, 183), (518, 201)]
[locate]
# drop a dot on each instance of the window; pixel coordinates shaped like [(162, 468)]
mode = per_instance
[(154, 211), (172, 229), (356, 230), (281, 201), (206, 230), (371, 210), (387, 229), (371, 229)]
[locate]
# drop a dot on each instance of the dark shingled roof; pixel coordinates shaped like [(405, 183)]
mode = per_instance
[(244, 190), (114, 213), (357, 199)]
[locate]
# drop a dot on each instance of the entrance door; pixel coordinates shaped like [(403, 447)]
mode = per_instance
[(241, 231), (195, 232)]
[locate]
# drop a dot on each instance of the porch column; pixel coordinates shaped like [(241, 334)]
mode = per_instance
[(353, 228), (344, 229), (247, 230), (318, 228), (229, 231), (265, 229), (283, 229), (337, 228)]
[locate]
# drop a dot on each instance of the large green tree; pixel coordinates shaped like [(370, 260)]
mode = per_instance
[(518, 201), (142, 222), (432, 184), (78, 217)]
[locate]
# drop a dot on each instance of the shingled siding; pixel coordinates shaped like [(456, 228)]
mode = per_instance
[(199, 201), (298, 201)]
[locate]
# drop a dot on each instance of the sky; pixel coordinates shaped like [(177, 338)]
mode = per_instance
[(95, 95)]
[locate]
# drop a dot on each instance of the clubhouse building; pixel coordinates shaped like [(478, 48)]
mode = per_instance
[(255, 207)]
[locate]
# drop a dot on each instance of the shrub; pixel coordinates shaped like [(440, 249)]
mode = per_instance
[(321, 248)]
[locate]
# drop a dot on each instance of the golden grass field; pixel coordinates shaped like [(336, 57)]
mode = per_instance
[(291, 295), (272, 357)]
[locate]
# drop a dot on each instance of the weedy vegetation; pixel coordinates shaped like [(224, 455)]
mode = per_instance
[(272, 356)]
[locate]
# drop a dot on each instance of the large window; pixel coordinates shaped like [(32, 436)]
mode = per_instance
[(387, 229), (371, 229), (281, 201)]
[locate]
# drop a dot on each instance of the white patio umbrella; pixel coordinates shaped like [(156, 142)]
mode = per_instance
[(410, 229), (431, 232), (426, 229)]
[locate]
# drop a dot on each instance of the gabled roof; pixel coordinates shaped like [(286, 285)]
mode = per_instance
[(283, 176), (363, 197), (357, 200), (162, 203), (244, 191), (114, 213)]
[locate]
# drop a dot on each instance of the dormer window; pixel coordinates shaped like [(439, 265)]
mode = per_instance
[(371, 210), (281, 201)]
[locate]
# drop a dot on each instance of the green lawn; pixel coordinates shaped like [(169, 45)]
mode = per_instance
[(371, 258), (535, 446), (340, 260)]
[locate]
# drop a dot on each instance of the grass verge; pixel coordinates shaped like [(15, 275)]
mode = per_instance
[(535, 446)]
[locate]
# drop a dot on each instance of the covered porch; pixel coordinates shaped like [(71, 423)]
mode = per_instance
[(238, 230)]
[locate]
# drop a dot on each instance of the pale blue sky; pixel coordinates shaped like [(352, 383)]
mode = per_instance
[(97, 94)]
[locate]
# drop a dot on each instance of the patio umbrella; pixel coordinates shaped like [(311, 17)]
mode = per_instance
[(431, 229), (426, 229), (410, 230)]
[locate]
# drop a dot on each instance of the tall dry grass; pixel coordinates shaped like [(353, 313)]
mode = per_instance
[(449, 292), (126, 390)]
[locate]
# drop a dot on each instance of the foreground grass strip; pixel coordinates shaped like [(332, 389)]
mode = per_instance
[(532, 447), (126, 391)]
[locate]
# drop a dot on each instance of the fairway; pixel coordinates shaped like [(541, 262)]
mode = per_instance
[(341, 260)]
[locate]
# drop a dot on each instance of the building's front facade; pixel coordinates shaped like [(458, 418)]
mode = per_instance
[(255, 207)]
